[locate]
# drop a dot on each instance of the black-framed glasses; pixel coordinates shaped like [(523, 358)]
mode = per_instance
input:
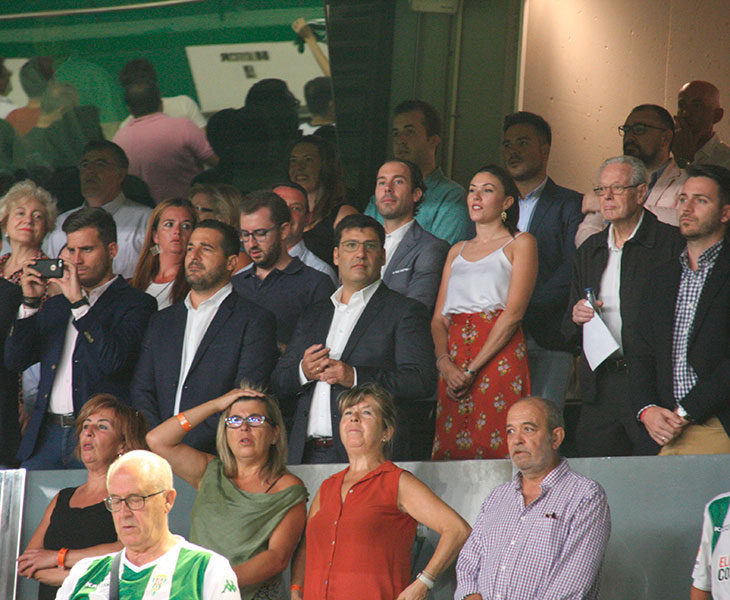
[(616, 190), (637, 128), (236, 421), (258, 234), (133, 501), (353, 245)]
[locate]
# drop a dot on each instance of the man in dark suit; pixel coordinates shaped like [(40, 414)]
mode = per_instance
[(552, 214), (414, 258), (365, 332), (679, 361), (616, 263), (10, 299), (203, 347), (87, 338)]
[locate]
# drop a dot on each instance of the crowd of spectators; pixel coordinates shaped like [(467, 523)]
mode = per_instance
[(255, 321)]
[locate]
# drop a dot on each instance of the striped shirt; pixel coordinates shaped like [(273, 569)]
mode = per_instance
[(551, 548)]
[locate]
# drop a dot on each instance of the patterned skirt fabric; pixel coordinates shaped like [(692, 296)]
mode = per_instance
[(474, 426)]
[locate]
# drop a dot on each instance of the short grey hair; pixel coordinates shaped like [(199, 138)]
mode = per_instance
[(154, 472), (28, 189), (638, 169), (552, 411)]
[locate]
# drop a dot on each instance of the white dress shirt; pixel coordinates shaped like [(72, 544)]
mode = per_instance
[(343, 322), (312, 260), (131, 220), (611, 285), (393, 240), (62, 401), (527, 206), (197, 323)]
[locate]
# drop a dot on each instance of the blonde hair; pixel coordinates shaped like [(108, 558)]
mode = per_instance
[(225, 198), (28, 189), (275, 466)]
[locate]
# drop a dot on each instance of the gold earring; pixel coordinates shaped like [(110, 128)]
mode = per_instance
[(504, 216)]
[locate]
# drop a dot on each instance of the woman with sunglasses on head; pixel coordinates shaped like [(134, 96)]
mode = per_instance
[(249, 508)]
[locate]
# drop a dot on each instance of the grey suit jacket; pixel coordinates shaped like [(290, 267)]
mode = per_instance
[(415, 269)]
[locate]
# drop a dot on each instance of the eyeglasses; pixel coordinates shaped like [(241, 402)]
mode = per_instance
[(236, 421), (352, 246), (616, 190), (259, 234), (133, 501), (637, 128)]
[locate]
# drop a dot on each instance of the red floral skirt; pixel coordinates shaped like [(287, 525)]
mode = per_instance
[(474, 426)]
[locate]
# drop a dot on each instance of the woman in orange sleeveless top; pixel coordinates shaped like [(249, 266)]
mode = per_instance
[(363, 520)]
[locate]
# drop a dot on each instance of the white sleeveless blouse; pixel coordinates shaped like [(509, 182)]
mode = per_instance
[(478, 286)]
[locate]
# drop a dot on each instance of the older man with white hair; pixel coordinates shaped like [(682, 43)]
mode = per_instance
[(154, 563)]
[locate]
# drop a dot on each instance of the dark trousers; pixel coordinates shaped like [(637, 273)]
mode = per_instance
[(609, 427), (54, 450)]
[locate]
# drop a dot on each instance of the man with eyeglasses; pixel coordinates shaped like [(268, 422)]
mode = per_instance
[(102, 170), (364, 332), (275, 280), (202, 347), (615, 263), (154, 564), (647, 135)]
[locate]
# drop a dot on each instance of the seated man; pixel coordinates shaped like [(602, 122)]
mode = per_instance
[(202, 347), (154, 564), (295, 197), (363, 332), (543, 534), (87, 338), (274, 280)]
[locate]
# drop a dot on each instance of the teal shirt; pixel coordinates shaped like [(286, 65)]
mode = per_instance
[(443, 210)]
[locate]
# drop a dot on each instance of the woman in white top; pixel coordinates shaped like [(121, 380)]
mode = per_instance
[(480, 350), (160, 271)]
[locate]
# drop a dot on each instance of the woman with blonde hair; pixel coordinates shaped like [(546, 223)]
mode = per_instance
[(160, 270), (249, 508)]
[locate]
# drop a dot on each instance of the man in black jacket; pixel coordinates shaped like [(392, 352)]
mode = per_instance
[(615, 263)]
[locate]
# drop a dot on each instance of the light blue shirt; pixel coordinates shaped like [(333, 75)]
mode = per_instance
[(527, 206), (442, 211)]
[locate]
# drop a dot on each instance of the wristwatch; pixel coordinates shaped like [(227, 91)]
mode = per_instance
[(683, 413)]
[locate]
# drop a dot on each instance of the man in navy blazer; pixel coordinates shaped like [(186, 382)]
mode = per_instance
[(87, 338), (365, 332), (10, 299), (414, 258), (203, 347), (679, 360), (552, 214)]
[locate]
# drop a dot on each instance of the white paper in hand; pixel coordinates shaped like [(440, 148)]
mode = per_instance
[(598, 342)]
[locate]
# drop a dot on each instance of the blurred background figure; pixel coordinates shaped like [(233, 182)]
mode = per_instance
[(6, 106), (160, 271), (315, 165), (34, 77), (321, 105)]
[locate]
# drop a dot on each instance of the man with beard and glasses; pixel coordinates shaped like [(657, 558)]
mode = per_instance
[(551, 213), (647, 135), (275, 280), (202, 347), (86, 338)]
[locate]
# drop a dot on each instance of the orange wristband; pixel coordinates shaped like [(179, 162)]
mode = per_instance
[(62, 557), (184, 423), (296, 588)]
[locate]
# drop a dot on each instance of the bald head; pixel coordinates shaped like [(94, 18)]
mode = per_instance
[(152, 472), (698, 105)]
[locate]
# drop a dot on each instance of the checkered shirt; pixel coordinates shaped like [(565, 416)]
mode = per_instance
[(688, 296), (552, 548)]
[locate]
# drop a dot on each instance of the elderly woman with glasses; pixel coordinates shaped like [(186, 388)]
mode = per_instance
[(249, 508), (76, 524)]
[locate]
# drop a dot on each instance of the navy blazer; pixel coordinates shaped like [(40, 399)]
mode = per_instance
[(106, 351), (10, 298), (650, 355), (391, 344), (240, 343), (554, 222), (416, 266)]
